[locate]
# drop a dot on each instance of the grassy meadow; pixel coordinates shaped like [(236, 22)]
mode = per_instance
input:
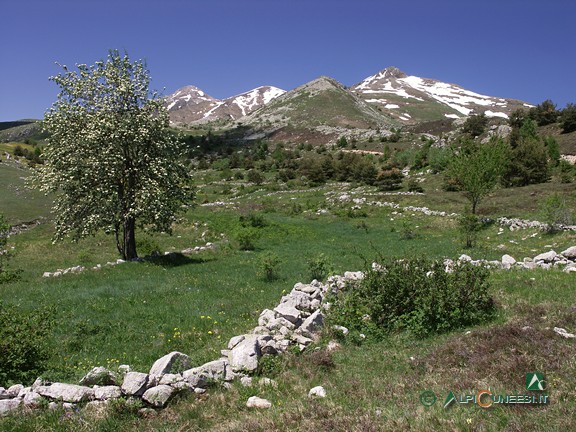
[(135, 313)]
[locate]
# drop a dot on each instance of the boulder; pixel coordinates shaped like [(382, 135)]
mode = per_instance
[(312, 324), (107, 392), (237, 339), (174, 361), (66, 392), (256, 402), (158, 396), (135, 383), (318, 392), (546, 256), (245, 355), (507, 259), (8, 405), (288, 310), (14, 390), (570, 253), (32, 400), (98, 376), (217, 370)]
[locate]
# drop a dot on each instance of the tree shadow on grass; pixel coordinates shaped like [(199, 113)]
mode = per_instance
[(177, 259)]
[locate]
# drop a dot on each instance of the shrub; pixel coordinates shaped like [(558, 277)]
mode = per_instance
[(246, 237), (389, 180), (268, 266), (24, 347), (319, 267), (147, 246), (568, 118), (414, 186), (556, 212), (255, 176), (254, 220), (415, 295), (469, 225)]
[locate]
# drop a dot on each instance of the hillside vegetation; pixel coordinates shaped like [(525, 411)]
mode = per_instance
[(277, 213)]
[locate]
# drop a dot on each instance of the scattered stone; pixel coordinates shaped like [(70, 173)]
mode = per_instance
[(9, 405), (98, 376), (14, 390), (66, 392), (107, 392), (507, 259), (256, 402), (333, 346), (246, 381), (288, 310), (341, 329), (172, 361), (158, 396), (135, 383), (245, 355), (267, 382), (312, 324), (547, 257), (569, 253), (317, 391), (32, 400), (562, 332)]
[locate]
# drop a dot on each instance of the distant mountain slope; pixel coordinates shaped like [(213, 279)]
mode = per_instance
[(322, 107), (190, 105), (412, 99)]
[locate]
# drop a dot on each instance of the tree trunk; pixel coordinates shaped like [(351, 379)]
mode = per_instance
[(130, 239)]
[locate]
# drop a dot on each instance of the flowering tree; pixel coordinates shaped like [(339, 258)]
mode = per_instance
[(111, 159)]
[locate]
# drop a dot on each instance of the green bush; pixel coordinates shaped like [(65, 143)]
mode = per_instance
[(268, 266), (319, 267), (415, 295), (147, 246), (246, 238), (24, 346), (556, 212)]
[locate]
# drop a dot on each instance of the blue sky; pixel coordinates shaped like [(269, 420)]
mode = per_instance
[(523, 49)]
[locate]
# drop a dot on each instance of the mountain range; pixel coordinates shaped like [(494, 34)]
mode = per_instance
[(389, 97)]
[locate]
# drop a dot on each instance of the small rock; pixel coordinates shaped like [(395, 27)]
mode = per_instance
[(562, 332), (158, 396), (98, 376), (333, 346), (317, 391), (66, 392), (246, 381), (570, 253), (9, 405), (107, 392), (547, 257), (14, 390), (267, 382), (174, 360), (135, 383), (256, 402), (341, 329)]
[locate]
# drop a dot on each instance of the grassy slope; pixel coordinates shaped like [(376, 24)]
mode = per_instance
[(136, 313)]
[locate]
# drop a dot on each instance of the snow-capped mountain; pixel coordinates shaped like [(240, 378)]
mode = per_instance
[(412, 99), (191, 105)]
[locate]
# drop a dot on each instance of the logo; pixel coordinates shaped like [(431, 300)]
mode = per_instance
[(449, 400), (535, 381), (428, 398)]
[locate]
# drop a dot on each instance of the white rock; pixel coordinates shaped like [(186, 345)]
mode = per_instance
[(66, 392), (570, 252), (507, 259), (8, 405), (256, 402), (267, 382), (158, 396), (237, 339), (317, 391), (546, 256), (100, 376), (333, 346), (32, 400), (14, 390), (107, 392), (135, 383), (562, 332), (341, 329), (245, 355), (246, 381), (46, 274), (165, 364), (312, 324), (288, 311)]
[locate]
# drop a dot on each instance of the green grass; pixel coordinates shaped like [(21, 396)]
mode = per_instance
[(137, 312)]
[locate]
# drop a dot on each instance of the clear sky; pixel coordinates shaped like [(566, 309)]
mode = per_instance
[(522, 49)]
